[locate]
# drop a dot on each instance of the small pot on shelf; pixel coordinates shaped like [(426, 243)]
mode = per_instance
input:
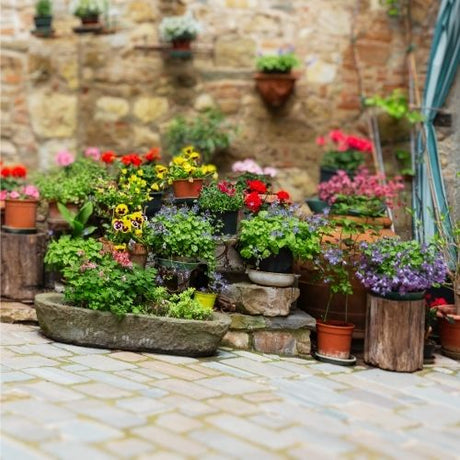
[(138, 254), (275, 88), (21, 214), (187, 188), (334, 339)]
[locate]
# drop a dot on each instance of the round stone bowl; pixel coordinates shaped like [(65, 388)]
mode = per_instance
[(102, 329), (271, 278)]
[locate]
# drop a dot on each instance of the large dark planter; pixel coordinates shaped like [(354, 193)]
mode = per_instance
[(279, 263), (43, 23), (154, 205), (316, 205), (81, 326), (229, 221), (275, 88)]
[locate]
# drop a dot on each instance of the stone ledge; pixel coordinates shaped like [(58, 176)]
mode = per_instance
[(15, 312)]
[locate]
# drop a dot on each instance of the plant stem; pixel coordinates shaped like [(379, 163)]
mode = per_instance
[(327, 307)]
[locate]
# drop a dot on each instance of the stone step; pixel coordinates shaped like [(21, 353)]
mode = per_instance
[(288, 335)]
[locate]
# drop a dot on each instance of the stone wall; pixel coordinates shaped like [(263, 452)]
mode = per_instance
[(78, 90)]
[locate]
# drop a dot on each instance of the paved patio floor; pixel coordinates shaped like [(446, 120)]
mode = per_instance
[(67, 402)]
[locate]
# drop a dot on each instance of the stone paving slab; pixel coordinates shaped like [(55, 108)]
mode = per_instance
[(59, 401)]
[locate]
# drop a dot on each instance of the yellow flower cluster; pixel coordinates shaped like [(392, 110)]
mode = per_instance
[(187, 165), (128, 223)]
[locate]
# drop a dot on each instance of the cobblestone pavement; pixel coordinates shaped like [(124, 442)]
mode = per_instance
[(63, 401)]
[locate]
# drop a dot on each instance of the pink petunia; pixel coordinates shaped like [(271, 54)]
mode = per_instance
[(64, 158), (320, 141), (93, 152)]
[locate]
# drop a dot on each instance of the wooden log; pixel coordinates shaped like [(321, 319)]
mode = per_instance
[(22, 265), (394, 334)]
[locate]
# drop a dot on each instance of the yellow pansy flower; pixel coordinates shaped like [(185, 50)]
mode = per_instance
[(188, 150), (121, 210), (140, 172), (155, 187), (124, 171), (126, 225), (138, 232), (120, 247), (194, 156), (160, 168), (187, 167), (179, 160)]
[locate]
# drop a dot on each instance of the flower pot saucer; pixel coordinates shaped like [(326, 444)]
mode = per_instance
[(19, 231), (351, 361), (88, 28)]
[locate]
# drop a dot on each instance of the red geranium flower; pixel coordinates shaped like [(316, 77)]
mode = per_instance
[(253, 201), (257, 186), (131, 159), (6, 172), (19, 171), (283, 195), (226, 187), (108, 157), (153, 154)]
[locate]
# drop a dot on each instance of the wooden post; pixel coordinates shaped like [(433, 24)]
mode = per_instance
[(394, 334), (22, 265)]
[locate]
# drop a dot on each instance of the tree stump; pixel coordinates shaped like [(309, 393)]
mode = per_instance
[(394, 334), (22, 265)]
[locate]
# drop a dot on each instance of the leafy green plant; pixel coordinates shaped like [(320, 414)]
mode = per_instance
[(405, 161), (184, 306), (221, 197), (86, 8), (43, 8), (358, 205), (282, 62), (107, 285), (67, 251), (269, 231), (78, 220), (396, 105), (179, 28), (208, 133), (181, 232), (393, 7), (71, 184)]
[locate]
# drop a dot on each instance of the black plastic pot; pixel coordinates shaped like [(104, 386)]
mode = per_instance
[(228, 221), (325, 173), (154, 205), (43, 22), (279, 263), (316, 205)]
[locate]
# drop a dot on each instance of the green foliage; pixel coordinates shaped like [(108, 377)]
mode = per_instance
[(180, 232), (67, 251), (184, 306), (358, 205), (208, 133), (78, 220), (107, 286), (349, 160), (405, 161), (396, 105), (179, 28), (87, 8), (72, 184), (269, 231), (44, 8), (212, 198), (277, 63), (393, 7)]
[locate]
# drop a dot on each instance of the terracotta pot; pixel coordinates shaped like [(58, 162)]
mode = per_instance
[(138, 254), (55, 215), (182, 44), (21, 213), (87, 20), (184, 188), (275, 88), (334, 338), (450, 336)]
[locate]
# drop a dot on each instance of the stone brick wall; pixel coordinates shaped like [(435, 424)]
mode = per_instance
[(77, 90)]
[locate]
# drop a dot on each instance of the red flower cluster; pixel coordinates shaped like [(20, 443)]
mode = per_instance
[(108, 157), (153, 154), (253, 201), (434, 301), (256, 186), (131, 159), (227, 188), (283, 196), (344, 142), (17, 172)]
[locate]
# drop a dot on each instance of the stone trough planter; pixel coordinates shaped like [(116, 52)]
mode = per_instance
[(81, 326)]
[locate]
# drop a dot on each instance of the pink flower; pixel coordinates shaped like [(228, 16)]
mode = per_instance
[(337, 136), (64, 158), (93, 152), (14, 195), (3, 194), (31, 191), (269, 171), (320, 141), (247, 165)]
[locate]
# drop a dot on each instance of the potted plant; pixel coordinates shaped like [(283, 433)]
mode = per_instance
[(275, 80), (70, 183), (11, 177), (21, 209), (397, 273), (88, 11), (208, 132), (365, 195), (223, 199), (216, 285), (183, 238), (43, 16), (180, 31), (186, 174), (271, 239)]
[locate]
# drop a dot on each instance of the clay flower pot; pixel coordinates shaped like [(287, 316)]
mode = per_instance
[(138, 254), (184, 188), (334, 338), (275, 88), (21, 214), (449, 331), (54, 215)]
